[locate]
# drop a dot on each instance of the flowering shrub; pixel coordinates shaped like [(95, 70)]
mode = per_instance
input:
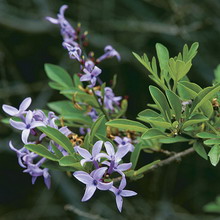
[(89, 134)]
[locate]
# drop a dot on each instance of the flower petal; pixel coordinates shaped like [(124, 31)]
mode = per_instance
[(52, 20), (127, 193), (84, 153), (96, 71), (90, 190), (25, 135), (17, 124), (97, 148), (124, 166), (104, 186), (86, 77), (121, 152), (109, 148), (98, 174), (119, 202), (122, 183), (25, 104), (83, 177), (35, 124), (118, 140), (29, 117), (10, 110)]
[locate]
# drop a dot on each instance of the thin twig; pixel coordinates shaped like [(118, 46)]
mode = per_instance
[(176, 157), (82, 213)]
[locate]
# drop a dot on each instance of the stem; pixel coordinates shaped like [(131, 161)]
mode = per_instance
[(176, 157), (100, 106)]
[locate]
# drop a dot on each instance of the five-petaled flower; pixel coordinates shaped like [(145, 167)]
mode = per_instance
[(93, 181), (120, 192)]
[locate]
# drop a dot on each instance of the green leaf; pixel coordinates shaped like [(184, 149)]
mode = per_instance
[(59, 75), (195, 119), (55, 166), (98, 127), (161, 101), (55, 85), (188, 90), (203, 96), (199, 148), (78, 118), (135, 154), (70, 161), (156, 121), (214, 155), (163, 56), (172, 140), (189, 54), (145, 168), (153, 133), (206, 135), (178, 69), (41, 150), (77, 81), (56, 151), (58, 137), (212, 141), (175, 103), (148, 113), (127, 125)]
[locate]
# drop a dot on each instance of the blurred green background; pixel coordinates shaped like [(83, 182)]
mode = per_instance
[(27, 41)]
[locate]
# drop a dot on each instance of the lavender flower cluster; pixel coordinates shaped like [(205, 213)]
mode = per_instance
[(106, 159)]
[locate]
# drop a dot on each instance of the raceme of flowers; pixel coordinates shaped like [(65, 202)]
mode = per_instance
[(105, 160)]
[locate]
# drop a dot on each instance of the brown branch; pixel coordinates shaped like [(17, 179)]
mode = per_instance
[(177, 157)]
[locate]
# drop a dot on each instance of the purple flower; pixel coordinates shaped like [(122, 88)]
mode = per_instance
[(125, 141), (26, 126), (89, 65), (35, 171), (120, 192), (109, 53), (74, 52), (93, 114), (20, 111), (24, 155), (88, 157), (109, 98), (67, 31), (92, 181), (91, 75)]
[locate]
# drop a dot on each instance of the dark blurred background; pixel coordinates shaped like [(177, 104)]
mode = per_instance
[(27, 41)]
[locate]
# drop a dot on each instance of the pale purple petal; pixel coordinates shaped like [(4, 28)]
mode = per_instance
[(114, 190), (97, 148), (122, 151), (33, 179), (10, 110), (122, 184), (96, 71), (101, 155), (98, 174), (104, 186), (127, 193), (17, 124), (47, 181), (86, 77), (93, 82), (118, 140), (63, 9), (84, 153), (83, 161), (109, 148), (124, 166), (29, 117), (25, 135), (52, 20), (35, 124), (90, 190), (64, 130), (25, 104), (83, 177), (119, 202)]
